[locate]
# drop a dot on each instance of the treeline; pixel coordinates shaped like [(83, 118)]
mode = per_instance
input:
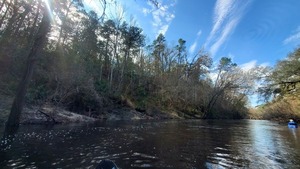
[(92, 63), (281, 89)]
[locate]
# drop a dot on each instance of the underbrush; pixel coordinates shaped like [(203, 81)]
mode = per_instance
[(281, 110)]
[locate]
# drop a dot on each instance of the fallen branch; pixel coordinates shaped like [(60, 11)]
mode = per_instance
[(48, 116)]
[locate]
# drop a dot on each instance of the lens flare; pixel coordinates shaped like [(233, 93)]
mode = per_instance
[(49, 8)]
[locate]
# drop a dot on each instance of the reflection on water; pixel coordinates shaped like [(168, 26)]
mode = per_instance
[(163, 144)]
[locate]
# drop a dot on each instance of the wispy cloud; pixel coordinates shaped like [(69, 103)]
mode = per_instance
[(227, 15), (252, 64), (249, 65), (293, 38), (199, 33), (162, 16), (221, 11), (229, 27), (194, 45)]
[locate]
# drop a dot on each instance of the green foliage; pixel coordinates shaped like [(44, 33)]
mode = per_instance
[(141, 97), (37, 94), (101, 86), (226, 64)]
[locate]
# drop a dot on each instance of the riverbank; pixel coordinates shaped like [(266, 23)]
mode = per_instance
[(51, 114), (280, 110), (55, 115)]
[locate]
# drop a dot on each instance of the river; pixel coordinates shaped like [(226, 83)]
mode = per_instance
[(190, 144)]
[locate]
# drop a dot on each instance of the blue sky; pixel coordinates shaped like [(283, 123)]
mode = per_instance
[(249, 31)]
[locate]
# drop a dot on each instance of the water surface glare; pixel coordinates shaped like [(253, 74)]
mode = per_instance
[(191, 144)]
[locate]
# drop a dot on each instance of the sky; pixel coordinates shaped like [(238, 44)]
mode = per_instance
[(251, 32)]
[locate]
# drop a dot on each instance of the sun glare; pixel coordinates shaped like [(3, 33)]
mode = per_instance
[(49, 9)]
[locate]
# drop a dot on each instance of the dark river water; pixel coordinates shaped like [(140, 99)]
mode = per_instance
[(191, 144)]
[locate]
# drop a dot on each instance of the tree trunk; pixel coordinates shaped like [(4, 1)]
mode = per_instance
[(33, 28), (17, 106), (64, 20), (124, 67), (115, 55), (106, 60)]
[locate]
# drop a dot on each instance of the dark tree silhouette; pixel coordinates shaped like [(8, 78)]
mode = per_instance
[(17, 106)]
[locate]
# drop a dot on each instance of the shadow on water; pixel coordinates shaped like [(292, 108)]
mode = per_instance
[(7, 138), (156, 144)]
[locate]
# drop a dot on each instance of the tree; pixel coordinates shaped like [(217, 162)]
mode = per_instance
[(283, 79), (107, 30), (133, 39), (102, 60), (231, 82), (66, 21), (159, 47), (39, 42), (88, 39), (287, 73), (181, 51)]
